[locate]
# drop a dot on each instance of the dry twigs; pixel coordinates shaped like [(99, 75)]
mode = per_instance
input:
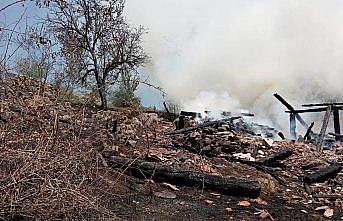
[(45, 171)]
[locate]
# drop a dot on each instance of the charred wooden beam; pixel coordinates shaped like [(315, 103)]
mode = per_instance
[(199, 126), (290, 108), (284, 102), (178, 176), (336, 123), (323, 130), (308, 132), (292, 126), (313, 110), (281, 155), (322, 104), (324, 174)]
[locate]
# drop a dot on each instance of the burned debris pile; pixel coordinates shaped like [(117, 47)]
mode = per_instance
[(74, 161)]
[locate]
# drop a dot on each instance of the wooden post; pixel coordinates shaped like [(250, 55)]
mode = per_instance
[(290, 108), (324, 126), (293, 126), (336, 123)]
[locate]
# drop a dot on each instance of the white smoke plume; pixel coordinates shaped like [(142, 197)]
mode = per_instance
[(234, 54)]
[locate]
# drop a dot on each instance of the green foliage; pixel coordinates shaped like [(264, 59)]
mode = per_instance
[(125, 95)]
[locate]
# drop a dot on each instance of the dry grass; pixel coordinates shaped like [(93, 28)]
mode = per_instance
[(48, 170)]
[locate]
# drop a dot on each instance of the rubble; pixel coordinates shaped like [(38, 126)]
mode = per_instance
[(89, 159)]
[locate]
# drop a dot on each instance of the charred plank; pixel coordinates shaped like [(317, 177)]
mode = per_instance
[(324, 127)]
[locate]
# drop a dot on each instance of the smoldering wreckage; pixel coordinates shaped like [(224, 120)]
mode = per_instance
[(62, 160)]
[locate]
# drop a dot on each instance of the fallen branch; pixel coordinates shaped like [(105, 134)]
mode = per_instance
[(323, 174), (178, 176), (206, 124)]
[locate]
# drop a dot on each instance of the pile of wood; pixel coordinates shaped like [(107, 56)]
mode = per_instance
[(214, 138)]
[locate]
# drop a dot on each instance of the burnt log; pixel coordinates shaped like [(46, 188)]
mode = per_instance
[(272, 159), (324, 174), (161, 173)]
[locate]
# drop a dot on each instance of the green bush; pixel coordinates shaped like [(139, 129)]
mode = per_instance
[(125, 97)]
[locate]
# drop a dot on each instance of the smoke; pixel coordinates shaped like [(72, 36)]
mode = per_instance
[(234, 54)]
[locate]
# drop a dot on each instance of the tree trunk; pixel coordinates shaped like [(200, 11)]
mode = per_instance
[(101, 90), (103, 98)]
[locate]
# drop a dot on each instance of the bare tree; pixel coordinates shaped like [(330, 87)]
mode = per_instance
[(10, 4), (96, 38)]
